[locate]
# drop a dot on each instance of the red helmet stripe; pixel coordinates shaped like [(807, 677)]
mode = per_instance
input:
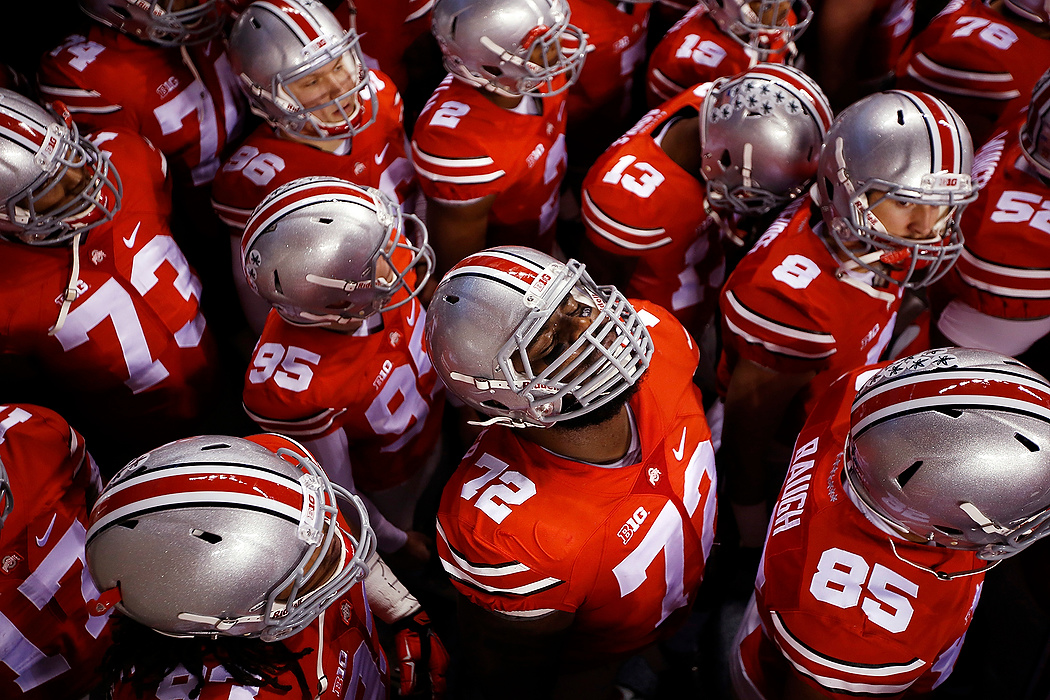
[(518, 272), (302, 23), (945, 132), (178, 487), (943, 389)]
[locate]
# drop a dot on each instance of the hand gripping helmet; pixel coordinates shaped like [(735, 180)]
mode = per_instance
[(917, 150), (1035, 133), (489, 308), (321, 251), (760, 136), (155, 20), (491, 44), (953, 446), (225, 536), (767, 26), (1034, 10), (277, 42), (40, 152)]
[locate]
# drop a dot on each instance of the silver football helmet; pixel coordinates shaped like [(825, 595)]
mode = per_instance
[(490, 307), (155, 20), (226, 536), (55, 183), (1035, 133), (760, 136), (275, 43), (952, 446), (510, 47), (763, 25), (914, 148), (1034, 10), (324, 251)]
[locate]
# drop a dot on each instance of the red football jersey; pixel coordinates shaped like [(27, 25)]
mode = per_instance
[(833, 601), (352, 660), (977, 61), (464, 147), (696, 50), (785, 308), (185, 101), (265, 161), (134, 341), (1004, 269), (887, 33), (387, 28), (51, 644), (377, 385), (623, 548), (638, 202)]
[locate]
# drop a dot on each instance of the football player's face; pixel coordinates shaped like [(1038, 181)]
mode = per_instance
[(325, 84), (329, 566), (570, 320), (72, 183), (916, 222), (772, 14)]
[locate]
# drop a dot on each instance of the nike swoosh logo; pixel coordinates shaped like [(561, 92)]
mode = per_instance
[(41, 541), (411, 320), (130, 242), (680, 452), (382, 155)]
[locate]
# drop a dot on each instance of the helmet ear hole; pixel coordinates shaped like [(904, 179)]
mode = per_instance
[(905, 476), (1029, 445), (277, 282), (726, 160), (494, 70)]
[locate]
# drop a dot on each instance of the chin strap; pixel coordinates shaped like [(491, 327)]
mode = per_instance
[(70, 295), (941, 574)]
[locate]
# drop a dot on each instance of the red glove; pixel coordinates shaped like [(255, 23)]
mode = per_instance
[(418, 646)]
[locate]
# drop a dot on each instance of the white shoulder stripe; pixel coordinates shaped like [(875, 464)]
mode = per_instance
[(450, 162), (461, 564), (608, 228), (882, 671), (459, 179), (947, 72), (68, 92), (824, 338)]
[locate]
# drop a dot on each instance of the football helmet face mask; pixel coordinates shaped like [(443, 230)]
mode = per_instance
[(767, 26), (275, 43), (163, 22), (510, 47), (214, 535), (760, 136), (1035, 133), (323, 251), (488, 310), (904, 146), (56, 183), (1033, 10), (952, 447)]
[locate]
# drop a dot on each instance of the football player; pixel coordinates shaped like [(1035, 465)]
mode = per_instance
[(744, 147), (48, 483), (236, 575), (340, 364), (326, 114), (719, 38), (489, 147), (100, 307), (157, 68), (907, 483), (1000, 290), (981, 58), (577, 527), (819, 293)]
